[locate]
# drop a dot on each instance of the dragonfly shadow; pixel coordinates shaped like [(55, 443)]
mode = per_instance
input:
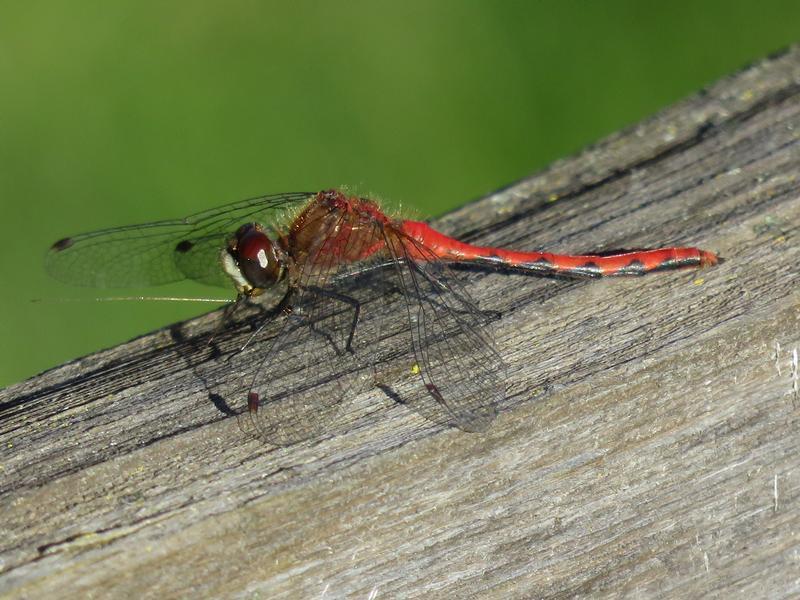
[(282, 372), (285, 373), (207, 352)]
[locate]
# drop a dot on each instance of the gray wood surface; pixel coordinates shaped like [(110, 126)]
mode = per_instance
[(648, 445)]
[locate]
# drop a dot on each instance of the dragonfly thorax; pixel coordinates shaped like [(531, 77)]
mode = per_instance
[(252, 260)]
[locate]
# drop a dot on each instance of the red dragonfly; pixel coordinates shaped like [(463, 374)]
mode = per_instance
[(320, 250)]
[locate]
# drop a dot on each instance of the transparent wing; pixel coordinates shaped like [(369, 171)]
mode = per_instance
[(455, 355), (443, 340), (162, 251), (299, 384)]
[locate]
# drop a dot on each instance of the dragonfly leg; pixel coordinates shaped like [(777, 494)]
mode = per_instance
[(227, 314), (350, 301), (284, 306)]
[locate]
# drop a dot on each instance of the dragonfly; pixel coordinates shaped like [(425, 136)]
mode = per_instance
[(320, 251)]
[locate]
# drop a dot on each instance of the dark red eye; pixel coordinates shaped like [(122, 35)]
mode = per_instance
[(256, 246), (255, 254)]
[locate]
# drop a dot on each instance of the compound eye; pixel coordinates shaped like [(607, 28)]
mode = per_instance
[(255, 254)]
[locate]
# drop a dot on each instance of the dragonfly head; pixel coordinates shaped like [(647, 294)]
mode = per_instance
[(252, 260)]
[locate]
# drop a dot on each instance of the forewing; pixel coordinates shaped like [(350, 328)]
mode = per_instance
[(163, 251), (456, 358)]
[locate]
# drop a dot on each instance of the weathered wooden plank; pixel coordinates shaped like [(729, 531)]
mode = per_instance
[(648, 444)]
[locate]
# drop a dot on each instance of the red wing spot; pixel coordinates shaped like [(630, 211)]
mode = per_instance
[(62, 244), (184, 246), (252, 401), (434, 391)]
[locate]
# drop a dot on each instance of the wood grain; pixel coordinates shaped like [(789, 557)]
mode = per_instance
[(647, 447)]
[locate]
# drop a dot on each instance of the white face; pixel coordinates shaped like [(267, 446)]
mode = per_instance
[(235, 273)]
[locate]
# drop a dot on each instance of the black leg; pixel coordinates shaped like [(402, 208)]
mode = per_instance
[(284, 306), (356, 306)]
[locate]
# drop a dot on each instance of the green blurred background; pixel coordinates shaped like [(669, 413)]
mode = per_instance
[(121, 112)]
